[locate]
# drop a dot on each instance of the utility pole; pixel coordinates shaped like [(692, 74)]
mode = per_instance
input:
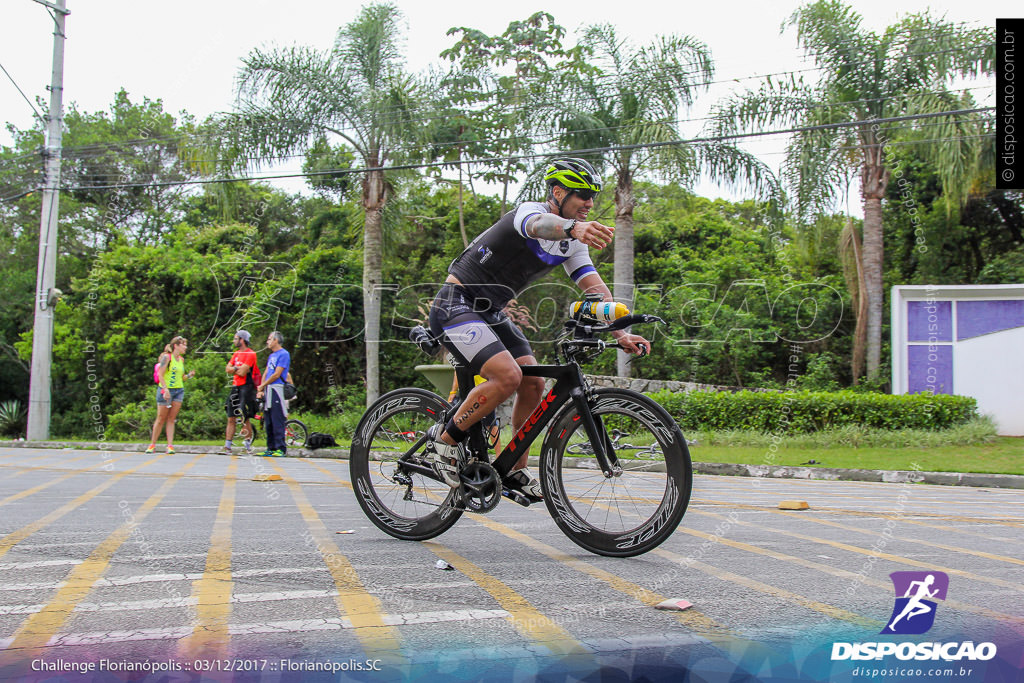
[(46, 273)]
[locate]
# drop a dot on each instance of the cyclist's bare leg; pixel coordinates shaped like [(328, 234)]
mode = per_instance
[(528, 396), (503, 377)]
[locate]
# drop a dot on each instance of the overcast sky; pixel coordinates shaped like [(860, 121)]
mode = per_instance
[(187, 52)]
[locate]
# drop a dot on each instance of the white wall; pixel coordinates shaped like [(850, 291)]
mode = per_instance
[(991, 368)]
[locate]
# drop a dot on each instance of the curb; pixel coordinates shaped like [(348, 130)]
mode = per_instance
[(974, 479)]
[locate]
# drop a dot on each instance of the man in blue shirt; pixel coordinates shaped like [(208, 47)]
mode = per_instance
[(274, 408)]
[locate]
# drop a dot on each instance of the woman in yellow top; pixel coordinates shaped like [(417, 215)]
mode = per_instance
[(171, 391)]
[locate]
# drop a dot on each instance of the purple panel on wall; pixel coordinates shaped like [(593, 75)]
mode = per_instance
[(930, 368), (975, 318), (929, 321)]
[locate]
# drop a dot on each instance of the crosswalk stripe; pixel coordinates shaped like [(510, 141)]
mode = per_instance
[(276, 627), (170, 603), (526, 618), (35, 565), (15, 537), (37, 629), (212, 592), (378, 638), (692, 618)]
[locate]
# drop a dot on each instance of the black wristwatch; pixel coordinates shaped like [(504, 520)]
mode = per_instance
[(568, 229)]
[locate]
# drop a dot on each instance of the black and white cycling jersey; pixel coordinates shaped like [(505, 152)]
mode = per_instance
[(504, 259)]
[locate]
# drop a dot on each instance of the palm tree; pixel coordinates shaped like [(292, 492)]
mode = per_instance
[(358, 91), (629, 101), (866, 78)]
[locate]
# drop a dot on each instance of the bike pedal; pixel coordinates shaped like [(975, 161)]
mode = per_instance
[(517, 497)]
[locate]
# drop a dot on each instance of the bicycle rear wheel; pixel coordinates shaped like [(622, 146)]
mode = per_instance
[(386, 464), (295, 434), (623, 515)]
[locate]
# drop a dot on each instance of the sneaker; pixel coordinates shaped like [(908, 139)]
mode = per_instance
[(151, 449), (446, 459), (526, 483), (272, 454), (225, 451), (248, 446), (170, 450)]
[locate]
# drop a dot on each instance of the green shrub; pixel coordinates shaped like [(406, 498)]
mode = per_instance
[(12, 418), (804, 412), (202, 417), (977, 431)]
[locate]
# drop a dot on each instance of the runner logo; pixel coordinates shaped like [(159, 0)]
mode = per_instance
[(914, 611)]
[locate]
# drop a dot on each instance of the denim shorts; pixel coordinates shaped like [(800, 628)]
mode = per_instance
[(177, 396)]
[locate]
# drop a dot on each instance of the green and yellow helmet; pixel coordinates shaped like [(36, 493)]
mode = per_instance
[(572, 174)]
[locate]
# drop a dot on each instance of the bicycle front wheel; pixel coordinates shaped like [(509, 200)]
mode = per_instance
[(295, 434), (632, 512), (389, 470)]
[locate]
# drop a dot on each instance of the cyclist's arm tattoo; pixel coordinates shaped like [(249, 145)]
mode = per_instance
[(547, 226)]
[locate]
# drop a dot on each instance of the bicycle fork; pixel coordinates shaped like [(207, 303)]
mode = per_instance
[(604, 451)]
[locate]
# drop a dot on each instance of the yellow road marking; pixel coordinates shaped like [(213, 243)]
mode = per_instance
[(36, 489), (212, 592), (362, 609), (930, 544), (868, 513), (724, 575), (885, 556), (876, 515), (529, 621), (15, 537), (39, 628), (691, 618), (23, 467), (781, 593), (840, 572)]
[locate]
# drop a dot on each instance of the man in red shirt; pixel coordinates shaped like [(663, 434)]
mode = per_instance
[(241, 402)]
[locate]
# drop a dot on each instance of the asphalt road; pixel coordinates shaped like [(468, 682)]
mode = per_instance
[(185, 562)]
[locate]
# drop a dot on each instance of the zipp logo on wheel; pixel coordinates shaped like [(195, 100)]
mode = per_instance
[(916, 592)]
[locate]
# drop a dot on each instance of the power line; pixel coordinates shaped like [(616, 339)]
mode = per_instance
[(500, 99), (615, 148), (809, 107), (39, 116)]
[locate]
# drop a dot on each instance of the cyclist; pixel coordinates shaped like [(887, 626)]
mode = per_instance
[(525, 244)]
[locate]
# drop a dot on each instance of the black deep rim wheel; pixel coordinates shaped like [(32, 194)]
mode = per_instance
[(400, 501), (628, 514)]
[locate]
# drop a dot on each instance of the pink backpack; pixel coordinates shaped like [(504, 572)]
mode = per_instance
[(156, 372)]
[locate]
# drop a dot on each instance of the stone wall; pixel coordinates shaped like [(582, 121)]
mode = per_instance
[(652, 385)]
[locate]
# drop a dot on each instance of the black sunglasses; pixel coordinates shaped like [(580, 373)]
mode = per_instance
[(585, 194)]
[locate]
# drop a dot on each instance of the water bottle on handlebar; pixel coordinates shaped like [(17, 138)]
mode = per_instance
[(604, 311)]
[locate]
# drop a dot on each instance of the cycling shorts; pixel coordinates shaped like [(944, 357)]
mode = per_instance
[(473, 337)]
